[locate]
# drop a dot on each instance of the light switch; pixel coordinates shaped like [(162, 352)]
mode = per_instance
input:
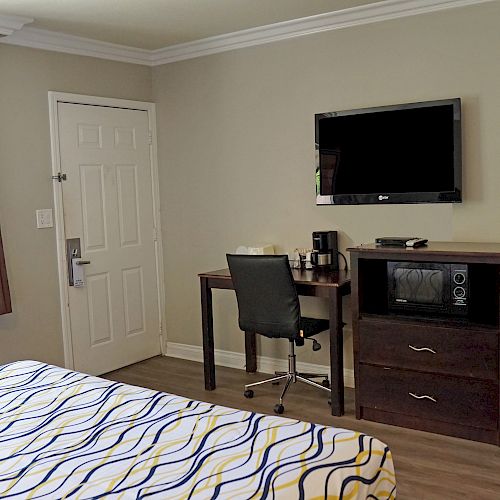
[(44, 218)]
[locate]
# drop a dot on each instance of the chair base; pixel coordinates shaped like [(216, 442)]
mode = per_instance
[(292, 376), (324, 376)]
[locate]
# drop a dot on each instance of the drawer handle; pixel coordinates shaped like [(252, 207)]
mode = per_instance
[(424, 396), (420, 349)]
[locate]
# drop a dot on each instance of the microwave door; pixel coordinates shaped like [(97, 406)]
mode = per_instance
[(419, 286)]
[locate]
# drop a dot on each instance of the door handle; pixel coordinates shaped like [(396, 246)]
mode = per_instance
[(73, 257)]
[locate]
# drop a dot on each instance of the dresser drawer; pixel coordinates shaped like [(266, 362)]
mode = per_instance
[(437, 397), (468, 353)]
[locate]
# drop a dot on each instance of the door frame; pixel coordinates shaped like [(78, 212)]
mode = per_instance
[(150, 108)]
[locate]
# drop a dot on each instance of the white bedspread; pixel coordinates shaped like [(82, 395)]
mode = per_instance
[(64, 434)]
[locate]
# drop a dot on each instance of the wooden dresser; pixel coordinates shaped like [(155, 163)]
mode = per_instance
[(423, 370), (5, 306)]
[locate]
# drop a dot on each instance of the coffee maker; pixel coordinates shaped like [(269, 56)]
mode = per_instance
[(325, 250)]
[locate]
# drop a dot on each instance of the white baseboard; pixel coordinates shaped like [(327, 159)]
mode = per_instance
[(237, 360)]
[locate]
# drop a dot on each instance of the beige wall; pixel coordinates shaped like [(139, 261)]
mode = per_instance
[(237, 147), (33, 330), (236, 135)]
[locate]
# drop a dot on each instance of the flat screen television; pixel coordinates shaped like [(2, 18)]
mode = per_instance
[(406, 153)]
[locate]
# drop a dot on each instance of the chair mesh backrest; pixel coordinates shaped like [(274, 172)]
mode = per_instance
[(267, 299)]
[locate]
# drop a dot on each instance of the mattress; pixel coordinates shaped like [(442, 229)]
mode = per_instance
[(64, 434)]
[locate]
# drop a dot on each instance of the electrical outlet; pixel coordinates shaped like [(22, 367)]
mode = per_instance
[(44, 218)]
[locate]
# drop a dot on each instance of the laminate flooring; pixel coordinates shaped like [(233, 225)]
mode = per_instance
[(428, 466)]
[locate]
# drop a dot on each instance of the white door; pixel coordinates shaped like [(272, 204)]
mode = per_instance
[(108, 204)]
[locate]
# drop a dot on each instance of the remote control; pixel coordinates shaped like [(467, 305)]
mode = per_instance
[(416, 242)]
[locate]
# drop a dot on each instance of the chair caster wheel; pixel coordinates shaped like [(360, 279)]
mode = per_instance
[(326, 383), (248, 394), (279, 409), (330, 402), (275, 383)]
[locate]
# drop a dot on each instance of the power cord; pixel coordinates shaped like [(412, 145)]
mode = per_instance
[(346, 268)]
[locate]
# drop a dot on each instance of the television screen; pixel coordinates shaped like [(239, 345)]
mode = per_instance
[(408, 153)]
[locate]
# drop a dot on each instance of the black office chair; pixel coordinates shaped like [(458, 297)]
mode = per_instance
[(268, 305)]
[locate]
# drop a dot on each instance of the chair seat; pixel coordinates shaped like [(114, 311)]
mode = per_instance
[(312, 326)]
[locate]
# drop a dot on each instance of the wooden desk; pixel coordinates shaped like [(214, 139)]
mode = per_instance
[(329, 284)]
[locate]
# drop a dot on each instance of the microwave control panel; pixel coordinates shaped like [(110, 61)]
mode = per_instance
[(459, 285)]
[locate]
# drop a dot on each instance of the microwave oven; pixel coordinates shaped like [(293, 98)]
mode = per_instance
[(428, 287)]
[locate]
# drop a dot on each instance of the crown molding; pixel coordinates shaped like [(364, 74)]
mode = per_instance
[(59, 42), (9, 24), (355, 16)]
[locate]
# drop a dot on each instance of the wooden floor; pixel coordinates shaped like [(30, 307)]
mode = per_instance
[(428, 466)]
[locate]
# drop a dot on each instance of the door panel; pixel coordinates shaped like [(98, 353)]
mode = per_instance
[(108, 204), (99, 300), (128, 205), (93, 209), (133, 293)]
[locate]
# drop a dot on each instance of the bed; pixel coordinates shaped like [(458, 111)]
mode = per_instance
[(64, 434)]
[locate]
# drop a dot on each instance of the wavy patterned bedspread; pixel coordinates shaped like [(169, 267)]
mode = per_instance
[(65, 434)]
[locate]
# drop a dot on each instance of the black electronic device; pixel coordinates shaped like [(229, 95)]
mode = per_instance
[(401, 241), (407, 153), (325, 250), (428, 287)]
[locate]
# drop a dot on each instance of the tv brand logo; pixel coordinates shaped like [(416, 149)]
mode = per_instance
[(382, 197)]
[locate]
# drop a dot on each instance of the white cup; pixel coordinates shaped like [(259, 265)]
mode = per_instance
[(308, 260)]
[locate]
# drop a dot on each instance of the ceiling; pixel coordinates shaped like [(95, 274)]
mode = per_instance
[(154, 24)]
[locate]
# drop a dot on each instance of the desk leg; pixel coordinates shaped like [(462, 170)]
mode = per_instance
[(250, 352), (336, 352), (208, 334)]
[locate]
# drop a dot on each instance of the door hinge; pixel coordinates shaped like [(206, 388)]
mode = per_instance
[(60, 177), (150, 137)]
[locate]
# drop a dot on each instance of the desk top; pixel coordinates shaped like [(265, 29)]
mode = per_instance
[(315, 277)]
